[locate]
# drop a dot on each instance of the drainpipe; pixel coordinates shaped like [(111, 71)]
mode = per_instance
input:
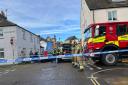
[(93, 16)]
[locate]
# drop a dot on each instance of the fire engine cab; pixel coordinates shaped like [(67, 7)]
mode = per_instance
[(102, 37)]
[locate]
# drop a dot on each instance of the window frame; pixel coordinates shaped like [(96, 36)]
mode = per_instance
[(126, 30), (105, 27), (112, 15), (89, 29)]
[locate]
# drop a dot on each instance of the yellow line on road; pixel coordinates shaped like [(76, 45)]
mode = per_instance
[(94, 83)]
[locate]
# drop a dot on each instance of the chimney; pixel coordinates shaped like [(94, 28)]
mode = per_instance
[(2, 16)]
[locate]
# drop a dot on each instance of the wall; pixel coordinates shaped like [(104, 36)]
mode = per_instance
[(27, 43), (85, 18), (43, 44), (102, 14), (86, 15), (5, 42)]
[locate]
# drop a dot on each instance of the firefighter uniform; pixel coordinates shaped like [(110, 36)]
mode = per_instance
[(79, 60), (73, 52)]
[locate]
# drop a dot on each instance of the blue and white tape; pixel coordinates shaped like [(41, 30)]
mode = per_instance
[(20, 59)]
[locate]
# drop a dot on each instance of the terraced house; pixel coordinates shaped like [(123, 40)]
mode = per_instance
[(16, 41)]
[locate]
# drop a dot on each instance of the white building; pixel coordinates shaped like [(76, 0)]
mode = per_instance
[(43, 44), (100, 11), (23, 40)]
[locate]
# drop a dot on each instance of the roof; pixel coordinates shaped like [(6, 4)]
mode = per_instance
[(105, 4), (4, 22), (71, 38), (42, 39)]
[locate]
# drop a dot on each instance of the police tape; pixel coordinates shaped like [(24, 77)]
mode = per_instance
[(40, 57)]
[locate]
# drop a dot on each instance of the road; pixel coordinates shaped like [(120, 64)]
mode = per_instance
[(43, 74), (62, 74)]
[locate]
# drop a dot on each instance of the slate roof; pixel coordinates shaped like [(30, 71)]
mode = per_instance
[(105, 4), (71, 38), (4, 22), (42, 39)]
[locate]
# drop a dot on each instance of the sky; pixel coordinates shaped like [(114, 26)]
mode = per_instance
[(45, 17)]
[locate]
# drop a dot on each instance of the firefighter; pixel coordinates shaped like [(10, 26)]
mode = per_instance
[(80, 59), (76, 49), (73, 52)]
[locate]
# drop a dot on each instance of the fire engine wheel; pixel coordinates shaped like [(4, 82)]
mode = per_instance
[(109, 59)]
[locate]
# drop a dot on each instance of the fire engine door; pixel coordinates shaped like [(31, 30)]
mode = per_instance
[(111, 37)]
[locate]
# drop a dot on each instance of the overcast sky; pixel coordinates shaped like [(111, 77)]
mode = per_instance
[(45, 17)]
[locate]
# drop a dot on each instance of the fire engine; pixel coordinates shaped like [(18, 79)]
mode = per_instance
[(103, 37)]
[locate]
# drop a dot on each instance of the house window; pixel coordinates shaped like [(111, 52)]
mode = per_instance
[(112, 15), (1, 32), (24, 35), (1, 53)]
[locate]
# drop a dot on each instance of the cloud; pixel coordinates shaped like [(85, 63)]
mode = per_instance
[(63, 30), (44, 16)]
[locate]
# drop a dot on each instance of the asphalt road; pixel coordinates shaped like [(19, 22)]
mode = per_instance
[(63, 74), (43, 74), (109, 75)]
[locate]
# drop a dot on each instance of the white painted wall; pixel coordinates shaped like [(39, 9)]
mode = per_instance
[(5, 42), (86, 18), (19, 42), (33, 45), (86, 15), (43, 44), (101, 15)]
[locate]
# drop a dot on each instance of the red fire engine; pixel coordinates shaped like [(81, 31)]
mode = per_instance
[(102, 37)]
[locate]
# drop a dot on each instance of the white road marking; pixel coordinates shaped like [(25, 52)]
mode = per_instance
[(12, 70), (6, 72), (94, 83), (91, 68), (93, 79), (94, 66)]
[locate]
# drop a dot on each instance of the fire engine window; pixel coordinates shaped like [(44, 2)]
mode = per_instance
[(88, 33), (122, 29), (100, 30)]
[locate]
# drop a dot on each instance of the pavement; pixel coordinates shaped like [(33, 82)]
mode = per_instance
[(63, 74)]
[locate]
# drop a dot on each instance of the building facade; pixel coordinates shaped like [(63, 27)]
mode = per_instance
[(43, 43), (102, 11), (16, 41)]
